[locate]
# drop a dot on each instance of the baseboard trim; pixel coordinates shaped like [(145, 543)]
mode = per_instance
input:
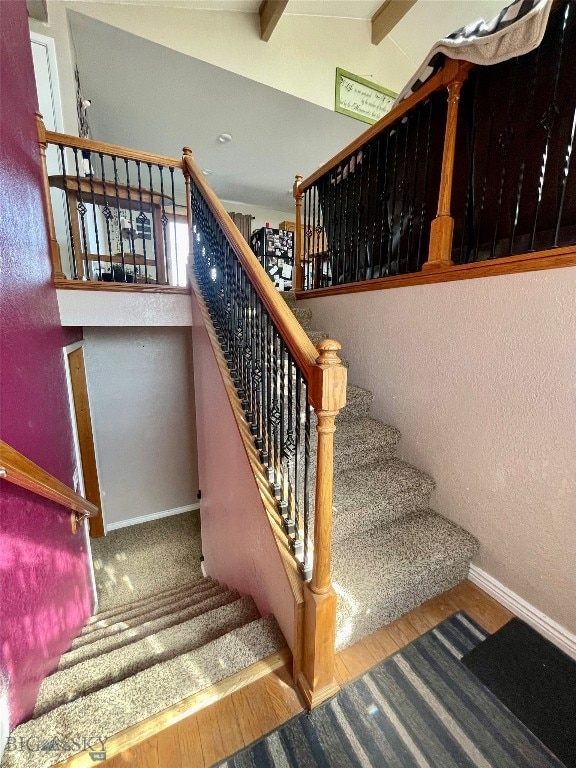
[(138, 733), (153, 516), (543, 624)]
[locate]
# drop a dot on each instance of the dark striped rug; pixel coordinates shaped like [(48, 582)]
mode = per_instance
[(421, 708)]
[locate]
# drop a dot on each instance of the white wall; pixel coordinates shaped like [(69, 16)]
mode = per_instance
[(301, 57), (142, 403), (480, 377), (262, 215), (123, 308)]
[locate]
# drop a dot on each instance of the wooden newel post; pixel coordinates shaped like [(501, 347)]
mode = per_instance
[(298, 245), (187, 152), (442, 228), (328, 395), (56, 261)]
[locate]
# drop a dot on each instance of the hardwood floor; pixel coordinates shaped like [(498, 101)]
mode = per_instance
[(225, 727)]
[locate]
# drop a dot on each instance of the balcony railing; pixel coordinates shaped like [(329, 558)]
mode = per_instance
[(475, 167), (114, 214)]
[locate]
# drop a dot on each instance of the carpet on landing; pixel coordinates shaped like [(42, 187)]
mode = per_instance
[(535, 680), (131, 563), (421, 708)]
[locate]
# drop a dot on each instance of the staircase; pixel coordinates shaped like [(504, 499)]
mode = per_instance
[(390, 551), (133, 661)]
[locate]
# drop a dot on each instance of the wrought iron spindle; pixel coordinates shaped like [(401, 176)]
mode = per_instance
[(106, 212), (175, 238), (82, 210), (131, 236), (141, 220), (392, 197), (118, 216), (164, 223), (153, 223), (549, 120), (68, 211)]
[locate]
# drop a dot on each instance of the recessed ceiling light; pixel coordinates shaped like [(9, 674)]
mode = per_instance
[(207, 171), (224, 138)]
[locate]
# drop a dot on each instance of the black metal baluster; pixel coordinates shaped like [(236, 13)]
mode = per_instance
[(131, 236), (164, 222), (392, 209), (489, 150), (505, 140), (297, 452), (175, 243), (411, 264), (82, 210), (548, 121), (117, 194), (153, 221), (106, 212), (142, 219), (565, 176), (403, 191), (95, 219), (306, 563), (68, 211)]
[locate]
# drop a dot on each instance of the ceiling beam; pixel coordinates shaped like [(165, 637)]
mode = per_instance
[(270, 12), (387, 16)]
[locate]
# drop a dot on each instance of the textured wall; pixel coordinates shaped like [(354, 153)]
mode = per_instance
[(44, 579), (142, 404), (480, 377), (237, 542), (117, 309)]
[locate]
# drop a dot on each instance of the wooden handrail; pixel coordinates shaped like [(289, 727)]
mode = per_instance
[(111, 149), (17, 469), (440, 80), (300, 346)]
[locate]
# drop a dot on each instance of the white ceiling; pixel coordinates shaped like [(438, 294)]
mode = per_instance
[(134, 103)]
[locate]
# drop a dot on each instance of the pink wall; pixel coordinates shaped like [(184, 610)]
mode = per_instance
[(237, 542), (44, 579)]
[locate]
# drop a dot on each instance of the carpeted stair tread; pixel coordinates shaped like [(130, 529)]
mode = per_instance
[(118, 610), (358, 441), (126, 703), (134, 610), (135, 633), (304, 317), (290, 298), (383, 573), (141, 618), (316, 336), (368, 496), (92, 675), (358, 403)]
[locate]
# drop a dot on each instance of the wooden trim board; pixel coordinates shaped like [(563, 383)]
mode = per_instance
[(174, 714), (508, 265), (153, 516), (96, 285), (543, 624)]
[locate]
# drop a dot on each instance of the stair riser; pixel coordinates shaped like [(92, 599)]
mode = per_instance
[(347, 522), (115, 629), (133, 634), (430, 585), (93, 675), (119, 610), (139, 610)]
